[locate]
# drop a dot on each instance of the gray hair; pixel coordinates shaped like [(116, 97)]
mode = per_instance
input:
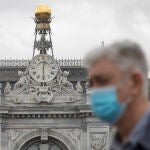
[(126, 55)]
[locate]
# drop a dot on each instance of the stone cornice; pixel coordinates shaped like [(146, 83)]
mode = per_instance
[(45, 111), (46, 115)]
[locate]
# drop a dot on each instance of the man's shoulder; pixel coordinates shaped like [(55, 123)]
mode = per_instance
[(139, 136)]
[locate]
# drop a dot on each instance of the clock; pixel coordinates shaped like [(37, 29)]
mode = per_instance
[(43, 68)]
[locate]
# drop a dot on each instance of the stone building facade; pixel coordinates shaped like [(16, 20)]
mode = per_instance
[(44, 102), (64, 121)]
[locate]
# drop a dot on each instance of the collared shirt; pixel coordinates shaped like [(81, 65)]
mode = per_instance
[(139, 139)]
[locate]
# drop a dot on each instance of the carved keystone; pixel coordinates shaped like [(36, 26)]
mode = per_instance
[(44, 135)]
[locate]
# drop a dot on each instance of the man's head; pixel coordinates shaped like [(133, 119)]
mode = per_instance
[(123, 65), (121, 61)]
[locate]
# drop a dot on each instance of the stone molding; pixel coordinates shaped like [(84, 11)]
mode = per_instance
[(46, 115)]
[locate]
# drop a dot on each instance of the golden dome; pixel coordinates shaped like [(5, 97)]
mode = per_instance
[(42, 12), (42, 9)]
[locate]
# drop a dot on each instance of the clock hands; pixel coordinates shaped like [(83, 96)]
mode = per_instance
[(43, 69)]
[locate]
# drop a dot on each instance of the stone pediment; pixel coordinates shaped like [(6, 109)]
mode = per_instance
[(43, 81)]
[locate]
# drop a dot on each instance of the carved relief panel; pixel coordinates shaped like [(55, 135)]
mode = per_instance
[(99, 138), (98, 141)]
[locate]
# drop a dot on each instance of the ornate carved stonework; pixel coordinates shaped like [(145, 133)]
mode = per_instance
[(7, 89), (74, 134), (44, 135), (98, 141), (14, 134), (79, 87), (42, 81), (43, 106)]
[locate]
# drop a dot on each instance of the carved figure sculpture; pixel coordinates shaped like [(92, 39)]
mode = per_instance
[(22, 83), (7, 89), (79, 87), (64, 80)]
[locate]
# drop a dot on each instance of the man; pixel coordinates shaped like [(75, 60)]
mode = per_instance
[(118, 81)]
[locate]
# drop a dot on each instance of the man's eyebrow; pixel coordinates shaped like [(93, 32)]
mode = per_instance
[(102, 75)]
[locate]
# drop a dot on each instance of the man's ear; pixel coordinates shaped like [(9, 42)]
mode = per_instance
[(136, 82)]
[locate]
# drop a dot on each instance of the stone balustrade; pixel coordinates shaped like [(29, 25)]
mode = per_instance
[(24, 62)]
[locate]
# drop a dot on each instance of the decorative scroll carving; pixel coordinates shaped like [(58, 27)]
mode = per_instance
[(98, 141)]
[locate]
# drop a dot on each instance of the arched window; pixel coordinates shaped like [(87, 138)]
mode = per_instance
[(37, 144)]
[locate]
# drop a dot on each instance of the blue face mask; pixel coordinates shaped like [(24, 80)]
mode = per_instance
[(105, 105)]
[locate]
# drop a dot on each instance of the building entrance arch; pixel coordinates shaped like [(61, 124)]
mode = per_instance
[(37, 144), (34, 141)]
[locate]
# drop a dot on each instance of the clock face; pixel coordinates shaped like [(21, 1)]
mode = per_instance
[(43, 68)]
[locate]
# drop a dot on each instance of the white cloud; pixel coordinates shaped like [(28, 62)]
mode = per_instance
[(77, 26)]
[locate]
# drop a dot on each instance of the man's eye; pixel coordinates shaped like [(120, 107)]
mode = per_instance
[(102, 81), (98, 81)]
